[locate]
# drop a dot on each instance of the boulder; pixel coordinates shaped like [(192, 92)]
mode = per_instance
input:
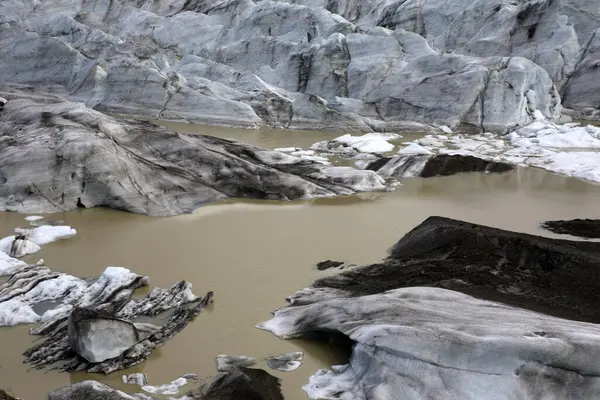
[(60, 155), (98, 337), (585, 228)]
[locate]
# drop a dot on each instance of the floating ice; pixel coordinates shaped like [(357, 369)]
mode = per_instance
[(32, 218), (349, 145), (286, 362), (47, 234), (172, 388), (28, 241)]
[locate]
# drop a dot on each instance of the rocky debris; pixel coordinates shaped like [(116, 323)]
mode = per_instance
[(138, 379), (325, 265), (97, 336), (97, 160), (29, 241), (309, 65), (92, 390), (82, 316), (3, 394), (286, 362), (240, 383), (427, 166), (585, 228), (227, 363), (405, 325)]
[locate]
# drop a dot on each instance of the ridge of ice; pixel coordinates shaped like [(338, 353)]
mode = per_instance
[(569, 149)]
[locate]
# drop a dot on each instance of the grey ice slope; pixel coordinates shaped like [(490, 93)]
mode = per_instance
[(311, 65), (58, 155), (433, 343), (414, 339)]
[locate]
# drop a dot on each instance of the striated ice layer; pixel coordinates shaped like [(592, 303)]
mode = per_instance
[(432, 343)]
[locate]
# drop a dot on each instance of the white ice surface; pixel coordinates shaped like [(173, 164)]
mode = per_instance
[(138, 379), (9, 265), (36, 237), (414, 149), (47, 234), (32, 218), (172, 388), (24, 247), (349, 145), (568, 149), (66, 290)]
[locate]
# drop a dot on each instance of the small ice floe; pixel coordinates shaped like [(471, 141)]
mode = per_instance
[(138, 379), (168, 389), (32, 218), (227, 363), (287, 149), (29, 241), (285, 362), (348, 145)]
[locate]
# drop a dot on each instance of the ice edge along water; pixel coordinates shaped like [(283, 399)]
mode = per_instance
[(410, 338), (569, 149)]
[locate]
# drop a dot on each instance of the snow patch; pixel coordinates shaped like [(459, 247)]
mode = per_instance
[(414, 149)]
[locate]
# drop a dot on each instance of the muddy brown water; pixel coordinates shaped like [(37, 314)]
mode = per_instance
[(253, 254)]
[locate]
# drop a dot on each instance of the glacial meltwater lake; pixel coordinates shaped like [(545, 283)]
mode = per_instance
[(253, 254)]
